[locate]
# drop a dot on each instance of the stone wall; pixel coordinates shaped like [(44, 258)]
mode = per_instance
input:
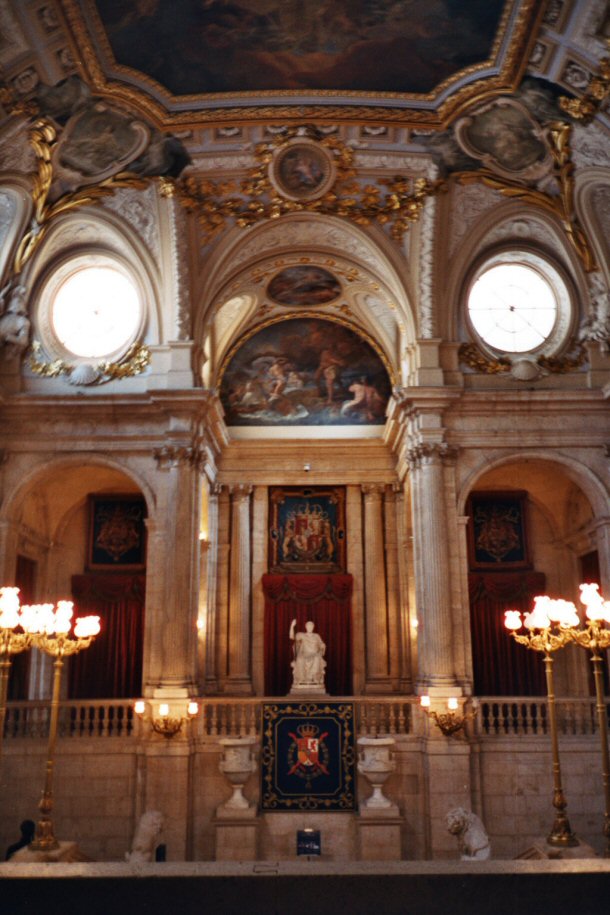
[(103, 785)]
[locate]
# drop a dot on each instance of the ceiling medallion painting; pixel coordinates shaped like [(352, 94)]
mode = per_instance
[(304, 284), (304, 371), (190, 60)]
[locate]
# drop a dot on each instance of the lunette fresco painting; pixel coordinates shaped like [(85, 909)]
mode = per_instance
[(305, 371), (196, 47)]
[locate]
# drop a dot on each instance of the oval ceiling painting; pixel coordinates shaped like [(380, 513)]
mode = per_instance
[(304, 285), (305, 371)]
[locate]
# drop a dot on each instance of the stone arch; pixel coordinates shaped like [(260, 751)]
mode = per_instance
[(377, 295), (509, 225)]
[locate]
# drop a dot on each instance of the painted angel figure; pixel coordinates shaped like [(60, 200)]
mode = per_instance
[(308, 665)]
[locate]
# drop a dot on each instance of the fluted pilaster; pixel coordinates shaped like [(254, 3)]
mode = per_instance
[(239, 677)]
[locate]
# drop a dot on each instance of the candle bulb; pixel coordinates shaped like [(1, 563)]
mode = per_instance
[(139, 707), (425, 701), (452, 704), (193, 708), (164, 710)]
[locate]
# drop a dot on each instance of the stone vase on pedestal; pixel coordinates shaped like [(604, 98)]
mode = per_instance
[(237, 764), (376, 764)]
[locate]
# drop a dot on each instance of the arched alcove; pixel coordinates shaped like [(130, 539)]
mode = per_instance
[(81, 536), (529, 522)]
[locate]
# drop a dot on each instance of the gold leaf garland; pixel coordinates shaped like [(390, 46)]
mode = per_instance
[(255, 199)]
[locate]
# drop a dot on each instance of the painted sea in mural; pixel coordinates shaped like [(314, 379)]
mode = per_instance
[(305, 371)]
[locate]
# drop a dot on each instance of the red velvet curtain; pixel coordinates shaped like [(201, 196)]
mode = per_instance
[(326, 601), (111, 668), (501, 666)]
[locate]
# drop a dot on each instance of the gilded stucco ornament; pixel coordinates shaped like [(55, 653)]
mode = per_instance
[(134, 362), (303, 171), (585, 108), (559, 201), (523, 369)]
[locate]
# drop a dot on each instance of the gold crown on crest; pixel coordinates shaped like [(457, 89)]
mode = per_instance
[(307, 730)]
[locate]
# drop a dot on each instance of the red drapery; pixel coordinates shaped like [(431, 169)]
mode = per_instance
[(326, 601), (501, 666), (111, 668)]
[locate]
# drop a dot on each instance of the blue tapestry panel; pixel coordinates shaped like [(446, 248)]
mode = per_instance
[(308, 757)]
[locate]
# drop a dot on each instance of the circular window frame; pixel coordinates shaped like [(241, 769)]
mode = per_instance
[(51, 283), (555, 277)]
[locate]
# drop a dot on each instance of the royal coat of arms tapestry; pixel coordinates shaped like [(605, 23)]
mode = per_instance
[(307, 529), (308, 757)]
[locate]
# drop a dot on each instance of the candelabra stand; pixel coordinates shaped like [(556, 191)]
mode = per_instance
[(596, 639), (542, 637), (59, 644), (13, 640)]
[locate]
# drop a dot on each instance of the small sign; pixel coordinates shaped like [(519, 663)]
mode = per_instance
[(309, 842)]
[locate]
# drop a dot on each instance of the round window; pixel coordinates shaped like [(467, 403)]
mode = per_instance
[(519, 303), (96, 311), (90, 309)]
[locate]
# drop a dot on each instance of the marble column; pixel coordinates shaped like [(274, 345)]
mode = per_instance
[(404, 616), (433, 586), (376, 613), (211, 623), (239, 679), (176, 553)]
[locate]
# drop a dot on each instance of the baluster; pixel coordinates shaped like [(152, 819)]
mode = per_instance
[(363, 720), (402, 725), (214, 721), (391, 718)]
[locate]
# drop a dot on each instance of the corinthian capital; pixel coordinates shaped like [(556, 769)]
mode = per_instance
[(431, 453)]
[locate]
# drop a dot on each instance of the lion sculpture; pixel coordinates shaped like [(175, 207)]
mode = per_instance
[(473, 841), (144, 841)]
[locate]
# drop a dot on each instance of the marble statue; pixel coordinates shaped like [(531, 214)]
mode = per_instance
[(15, 324), (308, 665), (145, 839), (473, 841)]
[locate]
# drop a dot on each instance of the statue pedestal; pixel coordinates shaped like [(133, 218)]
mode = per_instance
[(379, 834), (308, 691), (236, 834)]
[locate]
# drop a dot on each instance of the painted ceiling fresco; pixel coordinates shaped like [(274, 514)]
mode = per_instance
[(193, 47), (305, 371)]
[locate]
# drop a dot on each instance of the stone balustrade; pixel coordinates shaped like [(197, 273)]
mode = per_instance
[(503, 716)]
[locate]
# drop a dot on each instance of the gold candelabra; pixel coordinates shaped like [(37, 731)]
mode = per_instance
[(595, 638), (549, 624), (14, 638), (57, 640), (449, 722), (165, 723)]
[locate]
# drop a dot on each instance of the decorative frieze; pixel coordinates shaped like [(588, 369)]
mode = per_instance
[(429, 453)]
